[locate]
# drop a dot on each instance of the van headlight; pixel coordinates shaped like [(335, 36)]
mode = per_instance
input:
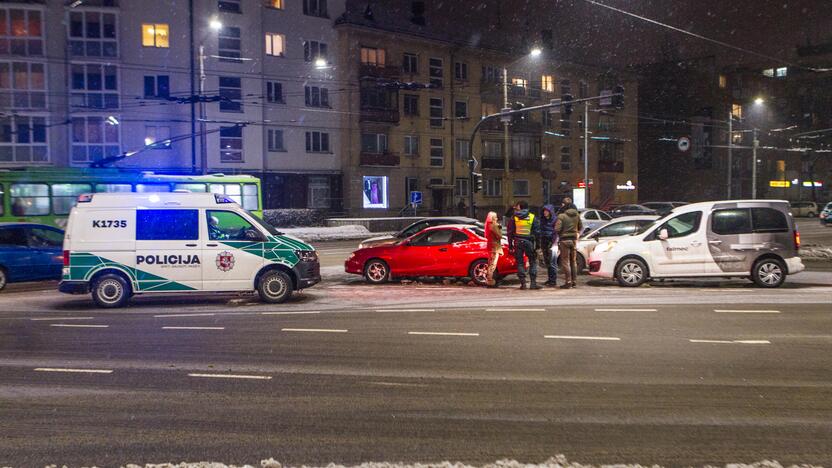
[(605, 246), (307, 255)]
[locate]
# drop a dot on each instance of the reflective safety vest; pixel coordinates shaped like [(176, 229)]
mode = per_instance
[(523, 227)]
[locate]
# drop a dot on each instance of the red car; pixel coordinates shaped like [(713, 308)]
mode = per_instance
[(446, 251)]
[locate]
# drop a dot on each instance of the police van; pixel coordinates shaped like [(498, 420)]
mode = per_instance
[(120, 244), (755, 239)]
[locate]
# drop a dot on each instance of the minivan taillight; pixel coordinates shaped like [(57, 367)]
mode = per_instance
[(796, 239), (66, 258)]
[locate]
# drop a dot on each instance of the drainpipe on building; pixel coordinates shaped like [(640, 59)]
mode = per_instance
[(453, 141)]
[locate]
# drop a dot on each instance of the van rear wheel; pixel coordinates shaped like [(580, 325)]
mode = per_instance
[(275, 287), (768, 273), (3, 278), (110, 291)]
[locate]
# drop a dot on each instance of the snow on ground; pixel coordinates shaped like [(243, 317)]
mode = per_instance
[(319, 234), (559, 461), (815, 252)]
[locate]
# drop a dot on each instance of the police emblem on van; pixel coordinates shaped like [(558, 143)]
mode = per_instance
[(225, 261)]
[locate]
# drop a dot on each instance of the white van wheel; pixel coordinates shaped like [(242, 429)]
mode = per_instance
[(631, 272), (3, 278), (768, 273), (110, 291), (275, 287)]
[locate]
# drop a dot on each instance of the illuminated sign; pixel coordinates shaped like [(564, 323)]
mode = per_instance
[(582, 184), (628, 186), (375, 192), (779, 183), (810, 184)]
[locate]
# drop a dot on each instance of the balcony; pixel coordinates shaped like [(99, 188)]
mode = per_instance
[(610, 166), (380, 71), (514, 164), (373, 114), (523, 126), (380, 159)]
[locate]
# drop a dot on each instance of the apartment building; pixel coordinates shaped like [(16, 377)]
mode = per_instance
[(85, 80), (417, 93)]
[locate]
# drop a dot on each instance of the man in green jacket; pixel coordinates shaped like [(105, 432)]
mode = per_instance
[(569, 226)]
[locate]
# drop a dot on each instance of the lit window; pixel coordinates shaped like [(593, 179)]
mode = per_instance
[(736, 111), (275, 44), (372, 56), (547, 83), (781, 72), (723, 81), (155, 35), (276, 4), (768, 72), (520, 82), (23, 33)]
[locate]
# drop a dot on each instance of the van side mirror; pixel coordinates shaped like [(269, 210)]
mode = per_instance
[(663, 234), (253, 235)]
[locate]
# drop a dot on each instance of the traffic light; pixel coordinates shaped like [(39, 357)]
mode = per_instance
[(517, 117), (618, 97), (477, 182), (566, 106)]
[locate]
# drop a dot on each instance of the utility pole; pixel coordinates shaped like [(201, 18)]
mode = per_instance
[(754, 144), (586, 154), (193, 104), (203, 140), (730, 143), (506, 143)]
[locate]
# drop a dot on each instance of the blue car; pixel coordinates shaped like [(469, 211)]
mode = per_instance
[(826, 215), (30, 252)]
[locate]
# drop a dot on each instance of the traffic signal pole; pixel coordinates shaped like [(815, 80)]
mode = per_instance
[(586, 154), (505, 113)]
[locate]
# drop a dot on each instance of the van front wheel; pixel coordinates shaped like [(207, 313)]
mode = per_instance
[(110, 291), (768, 273), (631, 272), (274, 287)]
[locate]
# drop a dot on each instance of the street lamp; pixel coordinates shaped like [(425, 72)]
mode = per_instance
[(759, 101), (320, 63), (535, 52), (215, 24)]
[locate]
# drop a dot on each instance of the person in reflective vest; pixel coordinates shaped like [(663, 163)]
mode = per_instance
[(523, 231)]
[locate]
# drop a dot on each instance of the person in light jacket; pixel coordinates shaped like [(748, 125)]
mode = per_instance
[(494, 237)]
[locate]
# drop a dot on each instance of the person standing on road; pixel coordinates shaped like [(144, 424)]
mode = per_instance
[(568, 228), (494, 237), (523, 230), (548, 238)]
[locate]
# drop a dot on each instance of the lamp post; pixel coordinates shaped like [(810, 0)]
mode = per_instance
[(215, 26)]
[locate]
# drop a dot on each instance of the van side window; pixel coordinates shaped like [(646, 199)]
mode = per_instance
[(731, 221), (167, 225), (226, 225), (682, 225), (768, 220)]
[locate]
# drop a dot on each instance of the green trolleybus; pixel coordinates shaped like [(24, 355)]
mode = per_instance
[(46, 195)]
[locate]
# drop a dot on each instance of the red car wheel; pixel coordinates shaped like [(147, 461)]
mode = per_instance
[(479, 272), (376, 271)]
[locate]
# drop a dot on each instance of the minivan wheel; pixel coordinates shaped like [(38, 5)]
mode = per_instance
[(3, 278), (479, 272), (110, 291), (631, 272), (768, 273), (811, 214), (274, 287), (376, 271)]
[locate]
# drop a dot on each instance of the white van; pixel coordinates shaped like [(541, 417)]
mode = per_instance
[(755, 239), (120, 244)]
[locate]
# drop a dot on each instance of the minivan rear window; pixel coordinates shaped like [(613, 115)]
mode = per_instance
[(768, 220), (167, 224)]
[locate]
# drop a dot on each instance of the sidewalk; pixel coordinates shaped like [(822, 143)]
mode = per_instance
[(323, 234)]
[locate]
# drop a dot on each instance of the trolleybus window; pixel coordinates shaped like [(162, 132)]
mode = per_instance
[(30, 199), (152, 188), (64, 196), (190, 187), (110, 188)]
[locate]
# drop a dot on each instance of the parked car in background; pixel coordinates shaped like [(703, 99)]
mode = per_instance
[(756, 239), (415, 227), (663, 208), (592, 218), (439, 251), (804, 209), (30, 252), (631, 210), (623, 226), (826, 215)]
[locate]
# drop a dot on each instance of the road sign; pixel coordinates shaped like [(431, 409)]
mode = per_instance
[(415, 198), (683, 143)]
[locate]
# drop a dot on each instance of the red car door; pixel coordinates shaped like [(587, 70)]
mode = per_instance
[(412, 257)]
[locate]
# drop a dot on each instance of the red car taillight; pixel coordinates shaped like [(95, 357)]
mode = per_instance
[(66, 258), (796, 239)]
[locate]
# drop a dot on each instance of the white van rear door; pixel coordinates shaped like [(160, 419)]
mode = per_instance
[(168, 250)]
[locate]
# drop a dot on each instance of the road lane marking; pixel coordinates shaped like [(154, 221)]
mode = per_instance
[(193, 328), (625, 310), (732, 341), (49, 319), (745, 311), (515, 310), (72, 325), (318, 330), (76, 371), (291, 313), (568, 337), (442, 333), (232, 376), (183, 315), (404, 310)]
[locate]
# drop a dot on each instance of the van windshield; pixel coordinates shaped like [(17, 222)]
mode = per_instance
[(268, 227)]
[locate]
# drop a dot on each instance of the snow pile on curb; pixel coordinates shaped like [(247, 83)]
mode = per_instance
[(559, 461), (318, 234), (815, 252)]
